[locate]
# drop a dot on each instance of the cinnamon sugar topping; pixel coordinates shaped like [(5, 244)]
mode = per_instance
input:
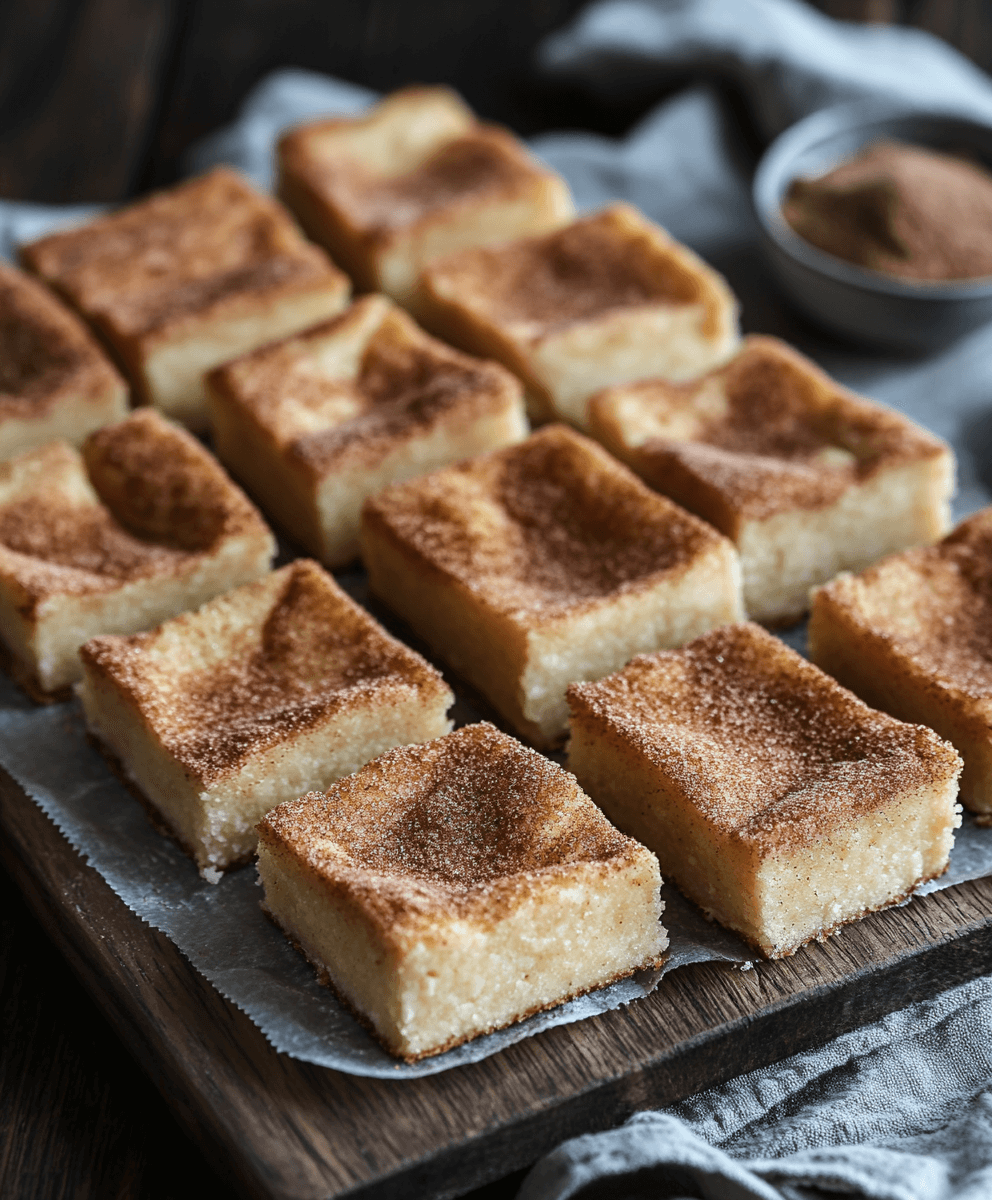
[(258, 667), (763, 743), (160, 483), (933, 605), (768, 432), (152, 503), (599, 264), (177, 253), (353, 388), (542, 527), (46, 353), (458, 826), (484, 164)]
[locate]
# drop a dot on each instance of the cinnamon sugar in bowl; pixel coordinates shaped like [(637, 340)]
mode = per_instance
[(873, 306)]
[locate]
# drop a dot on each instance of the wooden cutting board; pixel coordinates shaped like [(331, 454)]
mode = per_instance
[(284, 1128)]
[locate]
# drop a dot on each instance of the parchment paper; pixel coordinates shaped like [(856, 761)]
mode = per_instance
[(222, 931)]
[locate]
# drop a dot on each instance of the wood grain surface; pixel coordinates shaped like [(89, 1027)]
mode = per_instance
[(100, 98), (281, 1128)]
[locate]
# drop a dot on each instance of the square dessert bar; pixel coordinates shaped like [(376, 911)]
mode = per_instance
[(414, 177), (274, 689), (314, 424), (776, 800), (55, 381), (607, 299), (805, 477), (913, 636), (188, 278), (544, 563), (450, 889), (142, 525)]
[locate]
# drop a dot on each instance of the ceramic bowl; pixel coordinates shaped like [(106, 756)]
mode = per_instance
[(858, 303)]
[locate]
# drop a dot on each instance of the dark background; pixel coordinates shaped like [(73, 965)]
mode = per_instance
[(98, 101)]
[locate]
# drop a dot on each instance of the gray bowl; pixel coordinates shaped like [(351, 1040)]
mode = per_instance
[(853, 301)]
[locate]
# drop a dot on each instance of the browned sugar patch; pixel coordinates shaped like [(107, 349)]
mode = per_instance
[(763, 743)]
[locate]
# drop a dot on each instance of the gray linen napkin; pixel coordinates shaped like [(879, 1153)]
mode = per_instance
[(898, 1110)]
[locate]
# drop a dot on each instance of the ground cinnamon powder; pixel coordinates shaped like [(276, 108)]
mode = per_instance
[(903, 210)]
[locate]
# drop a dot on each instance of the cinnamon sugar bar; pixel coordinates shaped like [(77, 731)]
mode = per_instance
[(274, 689), (315, 424), (55, 381), (415, 177), (142, 525), (188, 278), (543, 563), (805, 477), (777, 800), (607, 299), (450, 889), (913, 636)]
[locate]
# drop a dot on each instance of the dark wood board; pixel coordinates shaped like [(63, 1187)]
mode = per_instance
[(99, 99), (282, 1128)]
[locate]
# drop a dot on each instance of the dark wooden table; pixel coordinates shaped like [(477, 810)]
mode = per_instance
[(98, 101)]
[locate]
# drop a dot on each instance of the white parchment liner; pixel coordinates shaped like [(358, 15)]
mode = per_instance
[(221, 930)]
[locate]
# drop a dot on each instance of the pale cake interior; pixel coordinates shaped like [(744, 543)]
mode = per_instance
[(147, 526), (270, 691), (55, 381), (911, 636), (607, 299), (451, 889), (415, 177), (776, 800), (541, 564), (805, 477), (188, 278), (315, 424)]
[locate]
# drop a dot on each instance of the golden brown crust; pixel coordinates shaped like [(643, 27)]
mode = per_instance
[(767, 433), (160, 483), (201, 249), (165, 503), (399, 384), (542, 528), (46, 353), (418, 159), (463, 827), (482, 165), (54, 542), (930, 610), (535, 287), (767, 747), (313, 653)]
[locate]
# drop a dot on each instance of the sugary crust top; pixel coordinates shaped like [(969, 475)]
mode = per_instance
[(595, 267), (543, 528), (144, 499), (465, 826), (46, 353), (932, 606), (349, 391), (179, 255), (769, 431), (412, 158), (259, 667), (765, 745)]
